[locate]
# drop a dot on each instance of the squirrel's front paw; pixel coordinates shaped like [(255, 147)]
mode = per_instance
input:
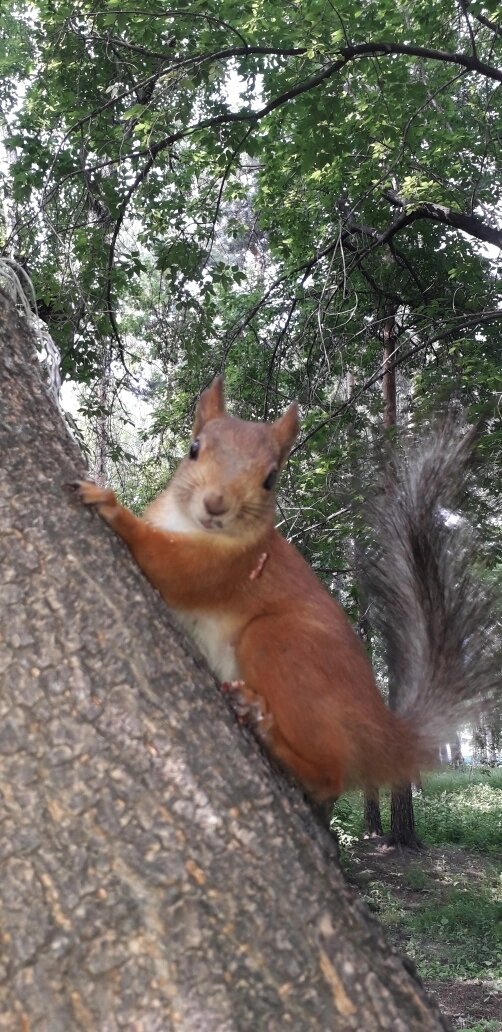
[(91, 494)]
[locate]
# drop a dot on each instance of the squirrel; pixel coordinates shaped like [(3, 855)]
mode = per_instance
[(273, 634)]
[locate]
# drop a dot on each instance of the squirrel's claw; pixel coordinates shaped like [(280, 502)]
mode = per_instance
[(91, 494)]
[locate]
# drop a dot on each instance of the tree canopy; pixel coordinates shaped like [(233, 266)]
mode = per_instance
[(286, 191)]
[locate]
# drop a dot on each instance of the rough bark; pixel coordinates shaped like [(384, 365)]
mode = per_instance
[(156, 874)]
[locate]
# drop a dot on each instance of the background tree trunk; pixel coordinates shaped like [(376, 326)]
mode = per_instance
[(480, 743), (494, 737), (99, 470), (155, 873), (402, 818), (372, 816), (456, 751)]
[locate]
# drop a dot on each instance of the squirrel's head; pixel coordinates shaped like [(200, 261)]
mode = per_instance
[(226, 483)]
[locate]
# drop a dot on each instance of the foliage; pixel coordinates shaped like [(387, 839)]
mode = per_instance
[(452, 933), (174, 144), (471, 814), (484, 1026), (266, 189), (468, 924)]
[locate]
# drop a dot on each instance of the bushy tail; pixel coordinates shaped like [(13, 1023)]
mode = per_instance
[(437, 620)]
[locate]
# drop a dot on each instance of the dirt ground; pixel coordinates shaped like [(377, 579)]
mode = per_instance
[(463, 1001)]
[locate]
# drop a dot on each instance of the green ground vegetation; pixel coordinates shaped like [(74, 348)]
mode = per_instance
[(442, 906), (455, 806)]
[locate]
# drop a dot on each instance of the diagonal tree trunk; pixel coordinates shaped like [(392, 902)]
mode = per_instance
[(156, 874)]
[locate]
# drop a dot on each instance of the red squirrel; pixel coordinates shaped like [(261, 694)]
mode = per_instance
[(273, 634)]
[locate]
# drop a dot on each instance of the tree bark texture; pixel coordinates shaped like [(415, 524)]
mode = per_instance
[(155, 873)]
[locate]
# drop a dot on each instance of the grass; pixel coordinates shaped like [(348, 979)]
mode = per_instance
[(463, 807), (484, 1026), (454, 933), (466, 926), (443, 905)]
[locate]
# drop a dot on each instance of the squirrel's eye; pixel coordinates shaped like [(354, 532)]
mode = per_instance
[(270, 480), (194, 448)]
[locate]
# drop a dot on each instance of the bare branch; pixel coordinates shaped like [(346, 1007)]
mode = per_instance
[(471, 322), (488, 23)]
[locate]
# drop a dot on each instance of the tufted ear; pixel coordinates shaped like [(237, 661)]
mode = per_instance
[(210, 405), (285, 430)]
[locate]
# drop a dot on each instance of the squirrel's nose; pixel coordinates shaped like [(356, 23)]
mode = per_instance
[(215, 504)]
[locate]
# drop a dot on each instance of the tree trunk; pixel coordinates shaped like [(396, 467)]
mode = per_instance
[(493, 738), (389, 376), (99, 469), (156, 873), (402, 820), (372, 816), (456, 751), (480, 744)]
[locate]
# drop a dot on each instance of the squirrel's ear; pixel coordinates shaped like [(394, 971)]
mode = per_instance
[(286, 429), (210, 405)]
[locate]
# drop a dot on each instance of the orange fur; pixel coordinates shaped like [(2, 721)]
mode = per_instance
[(209, 545)]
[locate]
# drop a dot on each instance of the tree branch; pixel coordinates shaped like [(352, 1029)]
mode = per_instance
[(488, 23), (399, 257), (470, 224), (480, 319), (348, 54), (468, 61)]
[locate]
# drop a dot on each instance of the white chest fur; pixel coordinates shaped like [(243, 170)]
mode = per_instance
[(165, 514), (214, 636)]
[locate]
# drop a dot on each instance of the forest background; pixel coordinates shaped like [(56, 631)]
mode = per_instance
[(306, 195)]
